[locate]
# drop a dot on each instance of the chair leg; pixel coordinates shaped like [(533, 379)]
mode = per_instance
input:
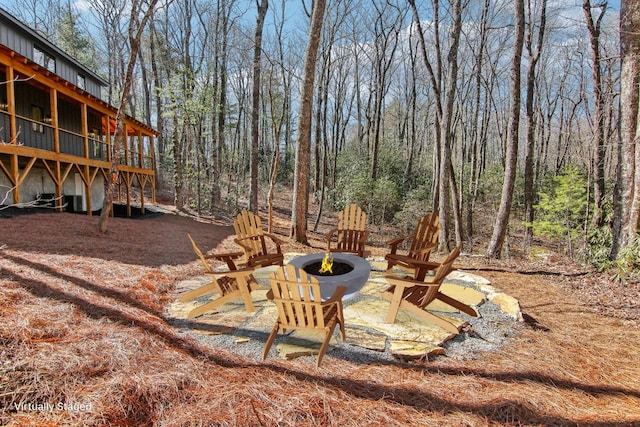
[(430, 317), (198, 292), (342, 334), (272, 336), (457, 304), (325, 343), (390, 265), (396, 299), (211, 305), (243, 286)]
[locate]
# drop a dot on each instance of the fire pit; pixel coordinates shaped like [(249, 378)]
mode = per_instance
[(348, 270)]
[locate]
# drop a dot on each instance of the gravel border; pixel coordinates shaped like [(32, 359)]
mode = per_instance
[(486, 333)]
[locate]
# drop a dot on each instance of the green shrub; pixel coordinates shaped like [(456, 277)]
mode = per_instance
[(628, 261), (386, 199), (417, 202), (561, 210), (600, 240)]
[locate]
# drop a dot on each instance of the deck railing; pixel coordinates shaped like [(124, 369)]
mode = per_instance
[(37, 134)]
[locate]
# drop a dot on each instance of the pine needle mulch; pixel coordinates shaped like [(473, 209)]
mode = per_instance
[(83, 342)]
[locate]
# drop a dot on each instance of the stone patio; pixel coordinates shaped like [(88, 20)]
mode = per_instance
[(364, 314)]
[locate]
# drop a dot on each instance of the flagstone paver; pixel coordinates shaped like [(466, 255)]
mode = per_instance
[(365, 314)]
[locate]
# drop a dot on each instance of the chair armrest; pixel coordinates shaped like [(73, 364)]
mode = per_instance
[(426, 249), (226, 257), (337, 295), (395, 242), (408, 281), (428, 265), (422, 267), (330, 234), (275, 239), (243, 245), (364, 235), (234, 273)]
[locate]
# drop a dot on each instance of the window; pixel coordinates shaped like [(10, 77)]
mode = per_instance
[(38, 116), (81, 82), (44, 59)]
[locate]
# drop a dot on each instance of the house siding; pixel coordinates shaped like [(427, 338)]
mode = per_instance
[(56, 136), (19, 38)]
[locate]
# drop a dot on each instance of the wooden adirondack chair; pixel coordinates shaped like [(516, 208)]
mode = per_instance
[(300, 306), (351, 233), (230, 285), (415, 295), (423, 240), (252, 239)]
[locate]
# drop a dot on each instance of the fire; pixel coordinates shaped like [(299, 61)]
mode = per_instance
[(327, 264)]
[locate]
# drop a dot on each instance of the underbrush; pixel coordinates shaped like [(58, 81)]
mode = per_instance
[(83, 326)]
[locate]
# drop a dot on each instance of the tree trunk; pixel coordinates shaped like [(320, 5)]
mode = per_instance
[(598, 127), (135, 33), (478, 129), (385, 49), (255, 113), (301, 171), (628, 206), (511, 159), (446, 165), (277, 120), (436, 86), (220, 102), (529, 176), (157, 84)]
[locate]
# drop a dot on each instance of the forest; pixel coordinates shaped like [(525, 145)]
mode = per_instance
[(515, 121), (514, 111)]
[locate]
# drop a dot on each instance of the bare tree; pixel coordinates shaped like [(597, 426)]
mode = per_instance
[(502, 220), (109, 16), (41, 15), (223, 25), (386, 33), (447, 181), (157, 95), (303, 150), (593, 25), (140, 14), (279, 108), (445, 93), (263, 5), (39, 202), (479, 127), (533, 44), (628, 197)]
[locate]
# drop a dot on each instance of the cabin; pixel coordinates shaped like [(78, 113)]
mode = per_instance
[(56, 131)]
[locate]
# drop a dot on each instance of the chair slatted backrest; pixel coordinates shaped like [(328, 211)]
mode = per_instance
[(428, 293), (248, 227), (224, 289), (352, 221), (426, 235), (196, 249), (352, 218), (446, 266), (298, 299)]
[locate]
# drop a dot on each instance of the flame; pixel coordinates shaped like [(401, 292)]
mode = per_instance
[(327, 264)]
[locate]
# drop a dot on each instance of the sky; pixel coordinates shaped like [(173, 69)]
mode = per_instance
[(295, 12), (296, 22)]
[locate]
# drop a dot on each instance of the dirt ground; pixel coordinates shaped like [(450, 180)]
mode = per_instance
[(84, 341)]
